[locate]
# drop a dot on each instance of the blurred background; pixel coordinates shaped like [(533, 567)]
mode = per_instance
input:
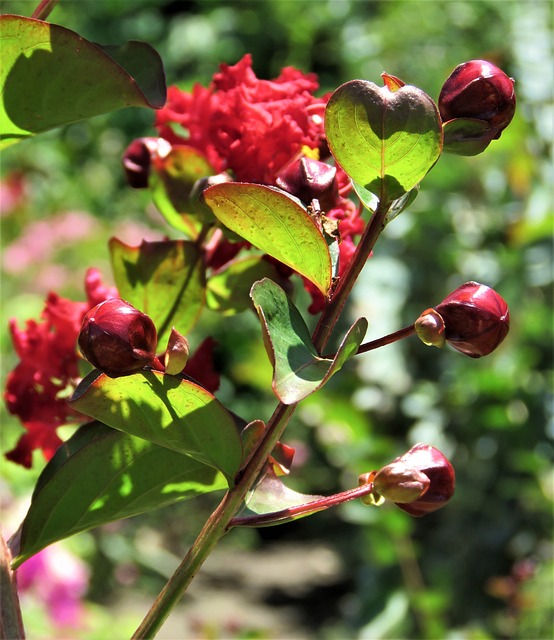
[(480, 568)]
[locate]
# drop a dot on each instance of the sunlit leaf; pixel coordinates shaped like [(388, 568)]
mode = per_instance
[(100, 475), (385, 140), (298, 370), (276, 224), (166, 410), (51, 76), (165, 280)]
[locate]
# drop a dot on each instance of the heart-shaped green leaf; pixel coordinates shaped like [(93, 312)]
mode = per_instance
[(276, 224), (50, 76), (228, 290), (166, 410), (298, 370), (100, 475), (385, 140), (165, 280)]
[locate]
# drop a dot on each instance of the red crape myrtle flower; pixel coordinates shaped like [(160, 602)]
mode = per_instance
[(246, 125), (36, 390)]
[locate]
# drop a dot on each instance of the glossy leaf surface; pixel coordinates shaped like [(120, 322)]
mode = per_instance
[(100, 475), (51, 76), (385, 140), (165, 280), (276, 224), (166, 410), (298, 370)]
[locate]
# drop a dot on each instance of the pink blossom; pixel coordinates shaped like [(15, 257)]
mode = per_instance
[(59, 581)]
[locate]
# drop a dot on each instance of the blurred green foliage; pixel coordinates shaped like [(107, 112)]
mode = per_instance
[(488, 218)]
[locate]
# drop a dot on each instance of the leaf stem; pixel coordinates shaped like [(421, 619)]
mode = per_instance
[(43, 9), (306, 509), (406, 332), (339, 296)]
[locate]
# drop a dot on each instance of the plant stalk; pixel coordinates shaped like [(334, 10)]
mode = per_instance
[(332, 312), (219, 523), (43, 9)]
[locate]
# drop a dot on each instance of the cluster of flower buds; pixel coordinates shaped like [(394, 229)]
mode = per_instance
[(117, 338), (419, 482), (474, 319), (476, 103)]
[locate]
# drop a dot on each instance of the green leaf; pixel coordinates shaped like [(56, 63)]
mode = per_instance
[(298, 370), (100, 475), (228, 290), (166, 410), (385, 140), (271, 495), (172, 181), (165, 280), (275, 223), (51, 76)]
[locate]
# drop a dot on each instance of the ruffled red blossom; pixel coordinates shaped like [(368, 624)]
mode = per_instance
[(241, 123), (36, 390)]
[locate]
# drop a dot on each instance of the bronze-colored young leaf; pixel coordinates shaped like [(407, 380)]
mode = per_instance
[(165, 280)]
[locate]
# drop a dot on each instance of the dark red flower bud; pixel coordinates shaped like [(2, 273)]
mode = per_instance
[(476, 319), (400, 483), (309, 179), (137, 160), (476, 103), (117, 338), (430, 462)]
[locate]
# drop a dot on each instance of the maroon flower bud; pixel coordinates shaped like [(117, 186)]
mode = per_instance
[(431, 463), (476, 319), (117, 338), (400, 483), (476, 103), (137, 160), (309, 179)]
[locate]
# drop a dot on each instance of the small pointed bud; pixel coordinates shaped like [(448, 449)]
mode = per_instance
[(138, 157), (476, 319), (372, 499), (309, 179), (392, 82), (177, 353), (400, 483), (482, 97), (430, 328), (117, 338), (430, 462)]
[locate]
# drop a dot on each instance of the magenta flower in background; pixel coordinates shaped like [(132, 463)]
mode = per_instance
[(59, 580)]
